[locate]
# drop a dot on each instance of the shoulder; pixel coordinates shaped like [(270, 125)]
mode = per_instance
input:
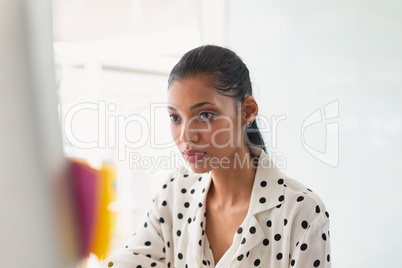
[(301, 200)]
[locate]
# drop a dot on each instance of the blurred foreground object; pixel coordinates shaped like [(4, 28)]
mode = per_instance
[(93, 190), (37, 226)]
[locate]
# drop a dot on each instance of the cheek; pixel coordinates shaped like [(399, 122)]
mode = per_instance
[(225, 132), (175, 133)]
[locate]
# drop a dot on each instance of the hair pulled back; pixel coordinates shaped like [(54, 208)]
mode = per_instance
[(224, 71)]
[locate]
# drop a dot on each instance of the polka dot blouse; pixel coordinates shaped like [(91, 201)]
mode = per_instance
[(287, 225)]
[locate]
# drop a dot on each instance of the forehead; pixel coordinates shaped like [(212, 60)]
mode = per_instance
[(188, 92)]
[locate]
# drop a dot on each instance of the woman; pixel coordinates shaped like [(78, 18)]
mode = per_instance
[(234, 208)]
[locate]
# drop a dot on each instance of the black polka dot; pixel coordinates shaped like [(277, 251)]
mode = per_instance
[(148, 255), (178, 233), (279, 256), (252, 229), (200, 179), (292, 263), (139, 266), (300, 198), (265, 242), (192, 191), (164, 186), (164, 250), (240, 257), (303, 246), (148, 243), (172, 179), (277, 237), (200, 242), (183, 191), (180, 256), (240, 230), (153, 264), (164, 203), (203, 190), (168, 244), (281, 198), (285, 221), (327, 214), (269, 223), (204, 262), (257, 262), (304, 224), (189, 220), (185, 175), (145, 224), (161, 220), (280, 181), (324, 237), (317, 209), (199, 204), (180, 216), (316, 263), (248, 253), (263, 200), (309, 189), (187, 204), (263, 183), (328, 258), (243, 241), (278, 206)]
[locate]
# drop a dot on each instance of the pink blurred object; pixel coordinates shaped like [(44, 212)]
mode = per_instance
[(85, 184)]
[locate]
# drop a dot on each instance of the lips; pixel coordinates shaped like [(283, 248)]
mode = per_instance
[(193, 155)]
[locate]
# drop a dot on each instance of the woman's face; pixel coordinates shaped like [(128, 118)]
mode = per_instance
[(204, 124)]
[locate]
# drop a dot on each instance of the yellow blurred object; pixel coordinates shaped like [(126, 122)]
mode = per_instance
[(106, 219)]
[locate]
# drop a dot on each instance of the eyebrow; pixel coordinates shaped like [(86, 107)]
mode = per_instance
[(194, 106)]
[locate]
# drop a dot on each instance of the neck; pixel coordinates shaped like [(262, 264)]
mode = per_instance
[(233, 186)]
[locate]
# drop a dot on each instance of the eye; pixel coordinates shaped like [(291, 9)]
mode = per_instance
[(205, 115), (175, 118)]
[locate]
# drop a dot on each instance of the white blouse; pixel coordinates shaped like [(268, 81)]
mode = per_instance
[(287, 225)]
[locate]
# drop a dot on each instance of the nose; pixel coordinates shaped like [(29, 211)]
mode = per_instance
[(188, 134)]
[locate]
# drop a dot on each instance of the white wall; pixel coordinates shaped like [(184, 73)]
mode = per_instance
[(304, 55)]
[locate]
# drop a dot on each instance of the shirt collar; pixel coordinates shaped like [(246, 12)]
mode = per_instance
[(268, 184)]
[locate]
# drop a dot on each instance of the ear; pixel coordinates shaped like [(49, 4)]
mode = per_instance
[(249, 110)]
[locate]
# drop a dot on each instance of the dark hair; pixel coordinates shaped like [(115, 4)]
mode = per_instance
[(225, 72)]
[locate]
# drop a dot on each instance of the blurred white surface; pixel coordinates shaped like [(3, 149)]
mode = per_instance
[(37, 228)]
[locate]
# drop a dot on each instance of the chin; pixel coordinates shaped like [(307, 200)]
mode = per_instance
[(199, 167)]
